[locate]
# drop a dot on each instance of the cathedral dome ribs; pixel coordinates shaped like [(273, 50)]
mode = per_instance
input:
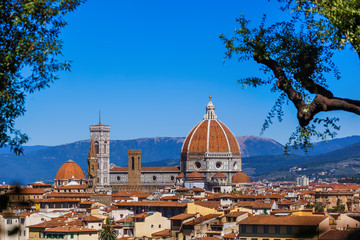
[(210, 147), (70, 170)]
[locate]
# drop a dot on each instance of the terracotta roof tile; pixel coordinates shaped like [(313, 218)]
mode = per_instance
[(181, 175), (141, 215), (197, 189), (70, 229), (234, 145), (55, 222), (240, 177), (70, 170), (198, 141), (28, 191), (182, 216), (230, 235), (183, 189), (219, 175), (235, 214), (92, 219), (195, 174), (283, 220), (217, 138), (185, 146), (254, 205), (208, 204), (201, 219), (151, 204), (163, 233)]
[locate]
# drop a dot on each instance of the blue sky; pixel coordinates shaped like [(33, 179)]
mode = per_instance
[(149, 66)]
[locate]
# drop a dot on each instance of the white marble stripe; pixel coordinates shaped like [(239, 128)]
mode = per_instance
[(227, 140), (208, 136), (194, 134)]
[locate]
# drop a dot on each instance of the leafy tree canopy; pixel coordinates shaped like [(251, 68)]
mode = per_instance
[(29, 47), (296, 55)]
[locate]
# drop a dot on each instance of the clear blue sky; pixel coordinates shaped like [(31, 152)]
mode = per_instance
[(150, 67)]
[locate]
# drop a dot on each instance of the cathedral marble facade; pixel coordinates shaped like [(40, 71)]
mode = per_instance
[(210, 154)]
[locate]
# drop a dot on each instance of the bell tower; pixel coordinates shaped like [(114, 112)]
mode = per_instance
[(101, 136), (93, 165), (134, 167)]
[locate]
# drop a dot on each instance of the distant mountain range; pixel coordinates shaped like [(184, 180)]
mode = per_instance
[(261, 156), (343, 162)]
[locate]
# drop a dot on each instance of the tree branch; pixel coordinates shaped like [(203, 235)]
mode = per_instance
[(324, 100)]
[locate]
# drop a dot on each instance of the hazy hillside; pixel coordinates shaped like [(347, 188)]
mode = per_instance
[(251, 146), (42, 163), (331, 145), (26, 149), (344, 162)]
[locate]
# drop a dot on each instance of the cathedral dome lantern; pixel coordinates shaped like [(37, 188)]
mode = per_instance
[(211, 147)]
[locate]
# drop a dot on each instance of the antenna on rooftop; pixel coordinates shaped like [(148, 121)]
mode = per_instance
[(99, 117)]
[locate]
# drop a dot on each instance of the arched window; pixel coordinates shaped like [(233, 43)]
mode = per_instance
[(132, 163), (97, 146), (92, 168), (105, 144)]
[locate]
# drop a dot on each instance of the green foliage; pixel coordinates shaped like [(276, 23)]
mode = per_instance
[(338, 208), (296, 58), (303, 135), (108, 233), (338, 21), (318, 207), (29, 48)]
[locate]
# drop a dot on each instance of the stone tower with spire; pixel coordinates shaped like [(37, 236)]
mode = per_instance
[(93, 166), (100, 134)]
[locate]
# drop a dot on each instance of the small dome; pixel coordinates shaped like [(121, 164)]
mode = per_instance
[(181, 175), (70, 170), (240, 177), (219, 175), (195, 174)]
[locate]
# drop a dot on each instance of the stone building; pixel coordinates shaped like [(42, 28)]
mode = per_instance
[(332, 199), (211, 148), (101, 135), (93, 165), (135, 177)]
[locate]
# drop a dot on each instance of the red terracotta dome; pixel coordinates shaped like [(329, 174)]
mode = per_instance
[(240, 177), (219, 175), (210, 136), (70, 170), (195, 174)]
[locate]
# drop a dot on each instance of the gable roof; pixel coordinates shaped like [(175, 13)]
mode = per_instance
[(201, 219), (283, 220)]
